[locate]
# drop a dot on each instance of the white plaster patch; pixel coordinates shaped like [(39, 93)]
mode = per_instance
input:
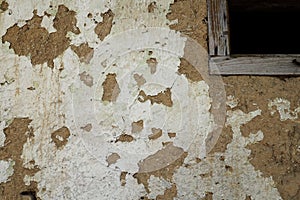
[(78, 175), (2, 135), (188, 114), (220, 176), (27, 179), (157, 186), (232, 102), (71, 173), (60, 138), (283, 107), (254, 138), (238, 118), (132, 14), (6, 170), (79, 171), (47, 23)]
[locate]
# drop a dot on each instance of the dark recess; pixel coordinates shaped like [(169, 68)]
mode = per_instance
[(264, 27), (31, 194)]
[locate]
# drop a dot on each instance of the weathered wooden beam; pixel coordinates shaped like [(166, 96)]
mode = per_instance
[(255, 65)]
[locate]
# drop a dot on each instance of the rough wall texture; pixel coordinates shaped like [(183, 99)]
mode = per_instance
[(100, 99)]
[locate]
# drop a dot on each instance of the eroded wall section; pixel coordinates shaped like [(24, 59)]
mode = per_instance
[(101, 99)]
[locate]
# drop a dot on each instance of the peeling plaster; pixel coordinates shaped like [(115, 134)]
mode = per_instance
[(6, 170), (131, 14), (103, 28), (60, 136), (157, 186), (2, 135), (232, 102), (47, 46), (243, 176), (283, 107), (84, 52), (91, 164)]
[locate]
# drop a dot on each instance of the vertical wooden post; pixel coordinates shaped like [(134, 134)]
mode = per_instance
[(218, 28)]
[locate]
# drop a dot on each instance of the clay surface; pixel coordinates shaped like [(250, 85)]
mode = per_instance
[(161, 98), (103, 28), (35, 41), (127, 140), (111, 88), (4, 6), (60, 136), (84, 52), (17, 134), (276, 155)]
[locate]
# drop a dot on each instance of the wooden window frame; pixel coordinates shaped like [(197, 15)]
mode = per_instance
[(221, 62)]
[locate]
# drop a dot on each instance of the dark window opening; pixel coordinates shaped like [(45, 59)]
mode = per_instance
[(264, 27), (29, 194)]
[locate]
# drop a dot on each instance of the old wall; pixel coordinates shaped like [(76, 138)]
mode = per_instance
[(110, 99)]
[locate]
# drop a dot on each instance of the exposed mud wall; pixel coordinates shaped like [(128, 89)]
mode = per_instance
[(277, 154), (101, 100)]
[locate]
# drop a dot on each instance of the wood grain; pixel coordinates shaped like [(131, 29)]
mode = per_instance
[(255, 65), (218, 27)]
